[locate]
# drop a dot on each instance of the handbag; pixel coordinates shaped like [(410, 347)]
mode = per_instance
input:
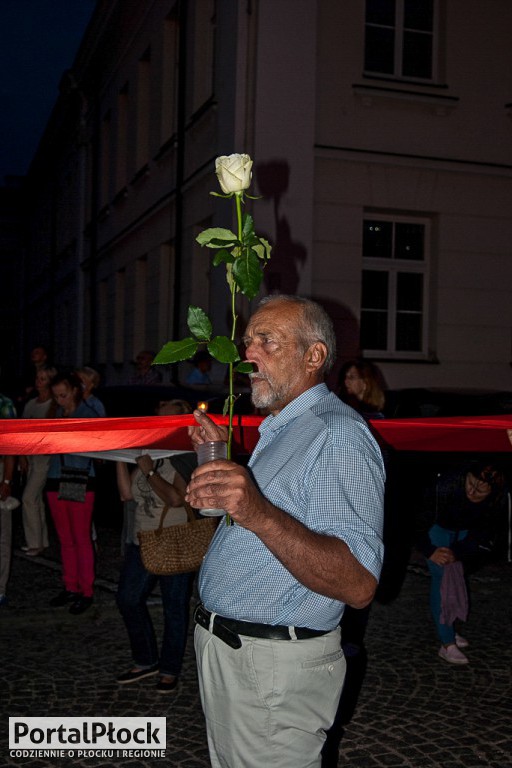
[(178, 548), (73, 483)]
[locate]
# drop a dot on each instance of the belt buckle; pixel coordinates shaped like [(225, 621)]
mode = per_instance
[(202, 617)]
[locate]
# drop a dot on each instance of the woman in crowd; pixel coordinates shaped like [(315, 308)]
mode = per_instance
[(90, 381), (360, 385), (36, 468), (71, 502), (460, 526), (153, 485)]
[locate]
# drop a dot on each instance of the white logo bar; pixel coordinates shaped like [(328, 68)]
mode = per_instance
[(87, 733)]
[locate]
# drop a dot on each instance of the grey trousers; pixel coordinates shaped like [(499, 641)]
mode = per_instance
[(270, 702)]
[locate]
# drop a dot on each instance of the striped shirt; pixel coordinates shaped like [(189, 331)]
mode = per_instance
[(317, 461)]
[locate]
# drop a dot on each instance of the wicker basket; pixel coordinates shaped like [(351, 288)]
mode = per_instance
[(179, 548)]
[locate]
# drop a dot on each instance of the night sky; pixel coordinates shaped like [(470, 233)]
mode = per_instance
[(38, 41)]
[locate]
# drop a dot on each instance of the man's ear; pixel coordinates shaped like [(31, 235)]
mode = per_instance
[(315, 356)]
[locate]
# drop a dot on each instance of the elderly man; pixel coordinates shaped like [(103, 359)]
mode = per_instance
[(306, 541)]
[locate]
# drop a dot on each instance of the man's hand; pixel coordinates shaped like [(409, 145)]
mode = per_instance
[(207, 430), (442, 556), (225, 485)]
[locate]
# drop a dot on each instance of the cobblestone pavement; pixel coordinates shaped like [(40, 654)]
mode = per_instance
[(414, 711)]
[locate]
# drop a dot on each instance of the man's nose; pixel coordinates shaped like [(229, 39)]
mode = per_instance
[(252, 356)]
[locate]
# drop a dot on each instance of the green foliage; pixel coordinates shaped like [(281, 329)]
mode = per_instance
[(244, 367), (223, 350), (248, 273), (217, 238), (245, 256), (199, 323), (176, 351)]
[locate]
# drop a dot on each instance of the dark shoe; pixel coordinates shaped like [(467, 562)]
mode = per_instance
[(64, 598), (137, 673), (80, 605), (166, 684)]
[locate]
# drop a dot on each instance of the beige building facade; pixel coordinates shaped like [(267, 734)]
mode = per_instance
[(382, 140)]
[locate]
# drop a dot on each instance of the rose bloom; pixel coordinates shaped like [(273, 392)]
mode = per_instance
[(233, 172)]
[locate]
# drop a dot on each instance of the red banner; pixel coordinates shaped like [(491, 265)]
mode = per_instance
[(448, 433), (33, 436)]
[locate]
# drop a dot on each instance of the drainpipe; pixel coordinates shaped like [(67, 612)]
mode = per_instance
[(180, 171)]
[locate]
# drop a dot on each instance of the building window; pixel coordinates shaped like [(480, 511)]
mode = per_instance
[(122, 138), (395, 287), (105, 159), (204, 48), (140, 309), (143, 109), (169, 79), (102, 324), (119, 315), (400, 38)]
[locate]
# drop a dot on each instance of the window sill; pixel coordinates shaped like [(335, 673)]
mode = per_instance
[(166, 148), (141, 174), (381, 357), (121, 196), (104, 213), (372, 95)]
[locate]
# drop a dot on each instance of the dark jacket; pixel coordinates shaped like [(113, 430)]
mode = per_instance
[(447, 505)]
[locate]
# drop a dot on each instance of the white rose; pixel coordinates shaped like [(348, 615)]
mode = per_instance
[(233, 172)]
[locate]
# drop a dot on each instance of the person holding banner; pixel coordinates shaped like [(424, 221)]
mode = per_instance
[(151, 487), (70, 491)]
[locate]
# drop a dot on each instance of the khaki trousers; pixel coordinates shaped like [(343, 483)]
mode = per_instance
[(269, 703), (34, 510)]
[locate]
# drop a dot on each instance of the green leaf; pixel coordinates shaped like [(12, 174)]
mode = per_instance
[(223, 350), (216, 237), (176, 351), (244, 367), (223, 256), (247, 227), (262, 249), (248, 273), (222, 243), (199, 323)]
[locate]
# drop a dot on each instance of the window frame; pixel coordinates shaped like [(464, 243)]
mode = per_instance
[(392, 267), (399, 30)]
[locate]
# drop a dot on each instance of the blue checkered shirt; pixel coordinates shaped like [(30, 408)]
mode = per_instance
[(316, 460)]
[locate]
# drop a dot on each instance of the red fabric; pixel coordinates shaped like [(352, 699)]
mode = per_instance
[(35, 436), (449, 433)]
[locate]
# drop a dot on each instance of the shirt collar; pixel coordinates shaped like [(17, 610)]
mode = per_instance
[(297, 407)]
